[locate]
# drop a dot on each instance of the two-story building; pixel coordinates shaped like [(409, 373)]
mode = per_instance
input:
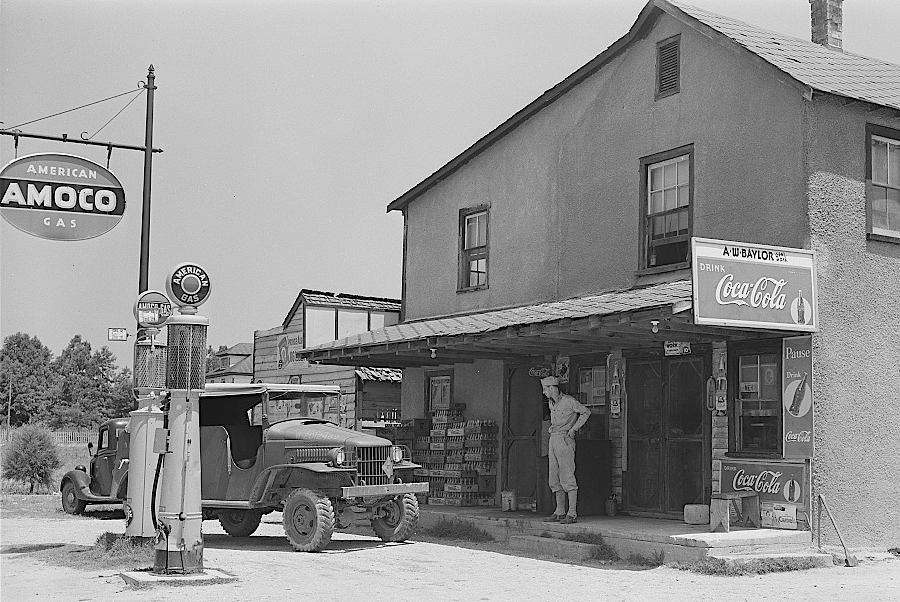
[(566, 241), (369, 395), (231, 364)]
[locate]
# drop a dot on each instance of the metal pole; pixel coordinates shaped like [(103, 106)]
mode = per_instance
[(148, 168)]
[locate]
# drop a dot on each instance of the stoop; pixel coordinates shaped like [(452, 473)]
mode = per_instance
[(551, 546)]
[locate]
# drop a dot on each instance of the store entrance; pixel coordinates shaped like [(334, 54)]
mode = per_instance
[(668, 434), (522, 436)]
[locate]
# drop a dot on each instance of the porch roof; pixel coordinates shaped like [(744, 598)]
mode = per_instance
[(590, 324)]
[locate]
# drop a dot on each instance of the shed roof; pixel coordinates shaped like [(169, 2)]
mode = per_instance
[(806, 63), (327, 299)]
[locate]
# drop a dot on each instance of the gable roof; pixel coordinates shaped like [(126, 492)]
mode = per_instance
[(239, 349), (327, 299), (806, 63)]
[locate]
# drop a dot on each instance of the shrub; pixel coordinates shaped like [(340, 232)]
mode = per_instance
[(31, 456), (459, 530)]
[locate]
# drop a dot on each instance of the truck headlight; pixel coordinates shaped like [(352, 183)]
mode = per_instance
[(336, 456), (396, 454)]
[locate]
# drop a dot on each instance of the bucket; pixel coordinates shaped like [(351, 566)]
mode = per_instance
[(612, 508), (508, 501)]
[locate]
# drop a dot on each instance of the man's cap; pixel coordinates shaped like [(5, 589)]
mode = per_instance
[(549, 381)]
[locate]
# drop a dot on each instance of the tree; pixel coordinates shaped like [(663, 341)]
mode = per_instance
[(121, 400), (86, 389), (31, 456), (27, 380)]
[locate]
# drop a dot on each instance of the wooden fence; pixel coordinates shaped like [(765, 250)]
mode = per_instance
[(63, 437)]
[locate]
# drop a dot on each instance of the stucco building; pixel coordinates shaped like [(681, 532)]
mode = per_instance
[(566, 239)]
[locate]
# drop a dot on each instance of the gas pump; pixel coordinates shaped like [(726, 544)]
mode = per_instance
[(179, 542), (151, 310)]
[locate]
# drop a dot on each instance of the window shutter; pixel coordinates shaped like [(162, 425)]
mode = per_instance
[(668, 75)]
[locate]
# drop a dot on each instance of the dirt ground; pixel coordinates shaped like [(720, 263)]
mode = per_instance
[(361, 567)]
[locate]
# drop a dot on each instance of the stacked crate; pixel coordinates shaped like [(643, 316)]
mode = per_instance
[(468, 475)]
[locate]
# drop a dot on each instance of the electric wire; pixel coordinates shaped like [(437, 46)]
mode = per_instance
[(136, 96), (75, 109)]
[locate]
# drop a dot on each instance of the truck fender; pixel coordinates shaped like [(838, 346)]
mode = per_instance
[(267, 477), (82, 482)]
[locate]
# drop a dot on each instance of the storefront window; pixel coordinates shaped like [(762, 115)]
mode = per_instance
[(757, 411)]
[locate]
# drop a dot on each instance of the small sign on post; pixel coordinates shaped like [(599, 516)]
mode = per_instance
[(117, 334)]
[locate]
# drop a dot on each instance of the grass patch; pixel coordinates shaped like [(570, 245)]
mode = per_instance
[(717, 566), (602, 550), (112, 549), (655, 559), (458, 530)]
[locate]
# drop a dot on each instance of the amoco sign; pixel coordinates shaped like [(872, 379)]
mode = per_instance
[(60, 197), (753, 286)]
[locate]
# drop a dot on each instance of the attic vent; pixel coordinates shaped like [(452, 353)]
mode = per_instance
[(668, 68)]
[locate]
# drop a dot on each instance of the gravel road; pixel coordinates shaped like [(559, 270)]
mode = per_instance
[(357, 567)]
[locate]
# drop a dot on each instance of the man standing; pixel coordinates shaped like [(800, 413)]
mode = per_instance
[(567, 415)]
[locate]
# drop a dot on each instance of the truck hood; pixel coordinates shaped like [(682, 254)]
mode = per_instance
[(320, 433)]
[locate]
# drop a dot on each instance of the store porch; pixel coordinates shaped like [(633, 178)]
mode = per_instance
[(671, 540)]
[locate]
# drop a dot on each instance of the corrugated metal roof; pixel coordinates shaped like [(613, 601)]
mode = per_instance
[(842, 73), (578, 307), (394, 375)]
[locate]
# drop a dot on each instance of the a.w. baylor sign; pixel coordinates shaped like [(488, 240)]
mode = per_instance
[(60, 197)]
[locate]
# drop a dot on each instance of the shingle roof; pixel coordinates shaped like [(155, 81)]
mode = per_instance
[(578, 307), (327, 299), (842, 73), (240, 349), (394, 375)]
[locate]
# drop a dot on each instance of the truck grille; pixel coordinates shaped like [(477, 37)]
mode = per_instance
[(369, 462)]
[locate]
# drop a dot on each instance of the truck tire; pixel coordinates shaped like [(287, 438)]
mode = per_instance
[(240, 523), (401, 520), (70, 502), (308, 520)]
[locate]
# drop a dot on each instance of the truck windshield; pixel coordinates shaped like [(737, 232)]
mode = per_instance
[(282, 406)]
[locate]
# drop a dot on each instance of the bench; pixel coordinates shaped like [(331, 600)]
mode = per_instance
[(747, 511)]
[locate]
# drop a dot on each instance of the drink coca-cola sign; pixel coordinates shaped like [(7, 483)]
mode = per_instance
[(779, 483), (753, 286), (797, 396)]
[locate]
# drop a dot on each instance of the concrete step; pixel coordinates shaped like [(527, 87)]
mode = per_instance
[(551, 546), (814, 557)]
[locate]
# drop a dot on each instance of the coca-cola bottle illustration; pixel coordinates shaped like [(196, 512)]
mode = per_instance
[(799, 394), (801, 308)]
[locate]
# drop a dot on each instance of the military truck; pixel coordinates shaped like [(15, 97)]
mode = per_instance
[(266, 447)]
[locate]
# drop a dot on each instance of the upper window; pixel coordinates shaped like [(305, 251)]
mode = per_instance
[(473, 235), (668, 67), (666, 199), (883, 190)]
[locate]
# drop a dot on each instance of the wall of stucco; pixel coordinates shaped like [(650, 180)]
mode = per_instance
[(564, 187), (857, 351), (479, 385)]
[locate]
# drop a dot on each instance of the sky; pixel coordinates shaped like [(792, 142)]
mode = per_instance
[(287, 127)]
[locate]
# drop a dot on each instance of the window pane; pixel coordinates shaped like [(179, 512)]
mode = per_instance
[(684, 195), (671, 201), (482, 230), (683, 171), (319, 325), (352, 322), (879, 161), (656, 178), (656, 202), (672, 224), (670, 178), (893, 178), (659, 227), (470, 233), (893, 210), (682, 222)]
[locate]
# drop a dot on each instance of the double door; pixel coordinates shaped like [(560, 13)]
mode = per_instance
[(668, 434)]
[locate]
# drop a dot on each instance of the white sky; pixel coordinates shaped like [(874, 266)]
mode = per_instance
[(287, 128)]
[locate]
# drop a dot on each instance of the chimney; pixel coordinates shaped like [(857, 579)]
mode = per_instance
[(827, 22)]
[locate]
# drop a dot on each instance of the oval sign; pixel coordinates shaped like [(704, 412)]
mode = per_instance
[(152, 309), (188, 285), (60, 197)]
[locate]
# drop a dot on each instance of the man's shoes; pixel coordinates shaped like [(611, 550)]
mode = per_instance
[(567, 520), (553, 518)]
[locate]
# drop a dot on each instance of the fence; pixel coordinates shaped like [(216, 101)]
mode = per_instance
[(63, 437)]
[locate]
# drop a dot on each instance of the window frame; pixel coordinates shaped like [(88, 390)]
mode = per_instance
[(466, 255), (672, 41), (892, 135), (644, 210), (735, 351)]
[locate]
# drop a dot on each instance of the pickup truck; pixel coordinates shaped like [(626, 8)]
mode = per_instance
[(264, 448)]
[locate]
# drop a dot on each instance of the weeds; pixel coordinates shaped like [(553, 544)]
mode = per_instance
[(458, 530), (656, 559), (112, 549), (602, 550), (717, 566)]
